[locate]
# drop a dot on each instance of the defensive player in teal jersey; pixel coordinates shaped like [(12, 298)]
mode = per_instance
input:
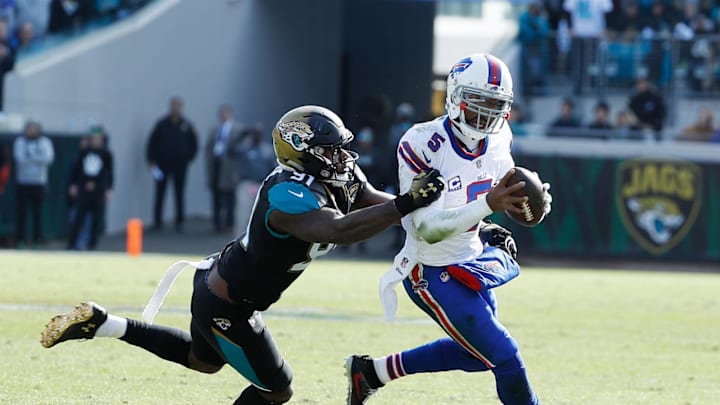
[(316, 198)]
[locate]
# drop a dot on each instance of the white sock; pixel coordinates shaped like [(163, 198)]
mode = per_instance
[(114, 326), (381, 369)]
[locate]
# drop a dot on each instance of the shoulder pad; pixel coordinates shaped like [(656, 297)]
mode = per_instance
[(420, 146)]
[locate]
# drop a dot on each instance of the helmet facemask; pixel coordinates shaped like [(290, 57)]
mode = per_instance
[(333, 164), (482, 112)]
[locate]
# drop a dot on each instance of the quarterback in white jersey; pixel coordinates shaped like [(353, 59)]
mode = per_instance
[(452, 260), (469, 176)]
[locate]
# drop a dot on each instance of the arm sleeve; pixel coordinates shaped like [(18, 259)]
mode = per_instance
[(75, 170), (48, 151), (18, 151), (193, 142), (151, 153), (292, 198), (111, 171), (435, 223)]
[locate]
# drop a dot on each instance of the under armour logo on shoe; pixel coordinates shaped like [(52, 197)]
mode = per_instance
[(87, 328), (222, 323)]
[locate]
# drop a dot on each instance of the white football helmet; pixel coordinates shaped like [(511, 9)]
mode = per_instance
[(479, 95)]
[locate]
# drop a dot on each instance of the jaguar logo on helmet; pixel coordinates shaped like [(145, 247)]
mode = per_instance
[(296, 133)]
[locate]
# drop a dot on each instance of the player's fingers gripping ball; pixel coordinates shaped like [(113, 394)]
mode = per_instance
[(548, 198), (538, 201), (425, 188)]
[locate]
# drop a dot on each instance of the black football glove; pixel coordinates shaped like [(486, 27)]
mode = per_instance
[(496, 235), (426, 187)]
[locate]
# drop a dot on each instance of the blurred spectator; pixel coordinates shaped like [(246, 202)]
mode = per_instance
[(715, 138), (659, 23), (648, 106), (368, 159), (694, 48), (84, 235), (256, 162), (171, 147), (627, 23), (565, 121), (404, 119), (533, 33), (7, 12), (702, 129), (600, 123), (555, 12), (656, 29), (587, 27), (24, 40), (627, 126), (91, 186), (7, 58), (36, 12), (222, 164), (69, 15), (33, 154), (5, 165), (518, 120)]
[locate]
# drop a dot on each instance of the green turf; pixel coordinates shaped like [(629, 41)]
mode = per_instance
[(587, 336)]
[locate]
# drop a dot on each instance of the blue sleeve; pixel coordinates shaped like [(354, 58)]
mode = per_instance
[(292, 198)]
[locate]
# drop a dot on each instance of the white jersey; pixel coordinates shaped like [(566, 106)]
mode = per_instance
[(469, 176)]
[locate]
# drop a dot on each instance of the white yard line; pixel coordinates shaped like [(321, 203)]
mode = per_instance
[(296, 313)]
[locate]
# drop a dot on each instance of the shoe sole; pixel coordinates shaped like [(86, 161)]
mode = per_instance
[(348, 374), (60, 323)]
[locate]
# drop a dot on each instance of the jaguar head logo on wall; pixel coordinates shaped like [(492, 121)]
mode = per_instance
[(658, 201)]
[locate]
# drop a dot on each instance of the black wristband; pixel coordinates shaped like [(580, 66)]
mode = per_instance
[(404, 204)]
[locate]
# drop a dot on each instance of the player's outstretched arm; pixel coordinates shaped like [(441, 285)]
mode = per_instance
[(435, 224), (327, 225)]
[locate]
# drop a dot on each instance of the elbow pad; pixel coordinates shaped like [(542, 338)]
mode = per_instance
[(435, 225)]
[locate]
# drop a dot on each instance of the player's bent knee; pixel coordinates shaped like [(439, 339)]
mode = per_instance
[(201, 366), (510, 366), (279, 397)]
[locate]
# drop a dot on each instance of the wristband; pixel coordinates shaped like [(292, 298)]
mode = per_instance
[(404, 204)]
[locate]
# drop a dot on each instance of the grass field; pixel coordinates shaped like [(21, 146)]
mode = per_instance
[(587, 336)]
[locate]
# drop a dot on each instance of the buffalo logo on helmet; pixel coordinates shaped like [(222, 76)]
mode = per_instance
[(296, 133), (461, 66)]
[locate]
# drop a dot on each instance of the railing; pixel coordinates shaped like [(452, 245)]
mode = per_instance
[(108, 12), (557, 65)]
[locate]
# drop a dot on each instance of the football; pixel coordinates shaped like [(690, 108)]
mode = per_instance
[(534, 208)]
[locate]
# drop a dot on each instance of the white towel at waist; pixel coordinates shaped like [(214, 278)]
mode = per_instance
[(163, 288), (401, 267)]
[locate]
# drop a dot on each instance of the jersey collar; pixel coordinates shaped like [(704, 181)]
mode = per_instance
[(458, 146)]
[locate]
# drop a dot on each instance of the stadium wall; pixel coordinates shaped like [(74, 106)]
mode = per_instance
[(252, 54)]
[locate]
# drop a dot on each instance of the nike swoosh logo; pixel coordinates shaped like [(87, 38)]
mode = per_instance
[(298, 195), (427, 159)]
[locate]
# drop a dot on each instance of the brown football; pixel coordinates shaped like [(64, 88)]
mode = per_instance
[(534, 208)]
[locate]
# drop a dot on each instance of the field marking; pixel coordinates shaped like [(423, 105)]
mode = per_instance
[(291, 313)]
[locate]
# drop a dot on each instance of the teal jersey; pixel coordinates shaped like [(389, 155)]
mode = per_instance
[(261, 264)]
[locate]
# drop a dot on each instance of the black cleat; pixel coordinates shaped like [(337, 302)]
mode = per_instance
[(80, 323), (360, 371)]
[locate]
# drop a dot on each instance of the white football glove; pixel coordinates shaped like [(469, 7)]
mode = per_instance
[(547, 198)]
